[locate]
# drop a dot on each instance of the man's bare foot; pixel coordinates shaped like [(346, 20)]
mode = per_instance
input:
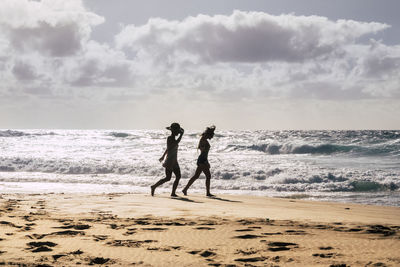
[(184, 192), (210, 195), (174, 195), (152, 190)]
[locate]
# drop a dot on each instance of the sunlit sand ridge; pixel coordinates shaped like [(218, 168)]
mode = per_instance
[(128, 229)]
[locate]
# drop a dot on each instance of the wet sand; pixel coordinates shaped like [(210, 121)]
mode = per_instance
[(137, 229)]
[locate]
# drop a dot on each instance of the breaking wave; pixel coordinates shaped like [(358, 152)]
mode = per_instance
[(14, 133), (331, 163), (302, 149), (288, 148), (119, 134)]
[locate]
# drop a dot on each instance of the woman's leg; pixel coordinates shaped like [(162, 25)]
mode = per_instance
[(177, 172), (206, 171), (191, 181), (168, 174)]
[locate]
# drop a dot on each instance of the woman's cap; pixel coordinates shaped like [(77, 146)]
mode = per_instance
[(174, 126)]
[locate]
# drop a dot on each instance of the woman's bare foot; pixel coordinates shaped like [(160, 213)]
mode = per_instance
[(210, 195), (184, 192), (152, 190), (174, 195)]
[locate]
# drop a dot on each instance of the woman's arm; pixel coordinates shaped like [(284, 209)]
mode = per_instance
[(163, 156), (171, 142), (180, 136)]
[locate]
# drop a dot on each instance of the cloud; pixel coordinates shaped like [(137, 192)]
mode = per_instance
[(254, 54), (247, 37), (24, 72), (381, 61), (55, 41), (47, 51), (99, 65), (46, 48), (54, 28)]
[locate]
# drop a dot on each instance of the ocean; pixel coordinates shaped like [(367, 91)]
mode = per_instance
[(341, 166)]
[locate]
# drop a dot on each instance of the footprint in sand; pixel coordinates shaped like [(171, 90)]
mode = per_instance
[(204, 254), (28, 218), (277, 233), (65, 220), (204, 228), (100, 237), (325, 248), (354, 230), (169, 248), (168, 223), (247, 236), (129, 232), (57, 256), (322, 227), (254, 259), (11, 204), (28, 226), (129, 243), (76, 252), (244, 230), (10, 224), (245, 222), (40, 246), (68, 232), (41, 204), (208, 223), (35, 236), (296, 232), (113, 226), (142, 221), (207, 253), (99, 260), (281, 246), (74, 226), (324, 255), (155, 229), (380, 229), (250, 251)]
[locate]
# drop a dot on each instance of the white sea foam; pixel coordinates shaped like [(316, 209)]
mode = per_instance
[(332, 165)]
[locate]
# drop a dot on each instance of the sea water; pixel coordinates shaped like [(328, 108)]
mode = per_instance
[(345, 166)]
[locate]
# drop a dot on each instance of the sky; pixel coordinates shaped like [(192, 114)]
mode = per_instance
[(238, 64)]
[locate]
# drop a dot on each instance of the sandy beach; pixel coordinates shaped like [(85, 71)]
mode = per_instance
[(137, 229)]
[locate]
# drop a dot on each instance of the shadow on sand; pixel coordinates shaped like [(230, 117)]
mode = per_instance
[(185, 199), (224, 199)]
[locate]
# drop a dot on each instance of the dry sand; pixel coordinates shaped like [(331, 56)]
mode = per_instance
[(136, 229)]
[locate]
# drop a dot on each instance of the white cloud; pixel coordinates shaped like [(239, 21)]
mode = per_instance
[(46, 51), (24, 72), (254, 54), (248, 37), (51, 27), (99, 65)]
